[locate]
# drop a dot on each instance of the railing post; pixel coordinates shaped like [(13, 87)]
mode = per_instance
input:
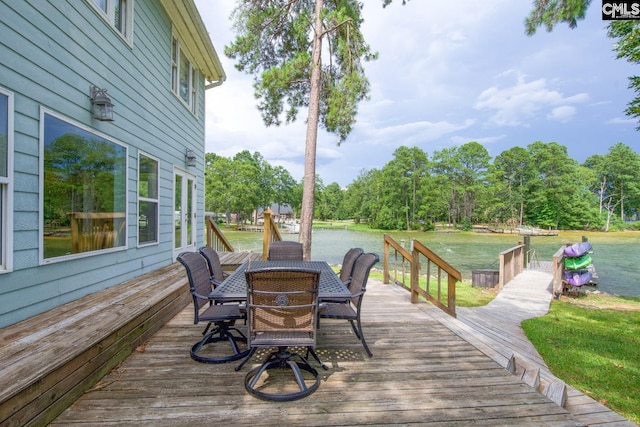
[(415, 275), (385, 261), (266, 235)]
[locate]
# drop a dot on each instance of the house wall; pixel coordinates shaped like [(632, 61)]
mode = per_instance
[(51, 52)]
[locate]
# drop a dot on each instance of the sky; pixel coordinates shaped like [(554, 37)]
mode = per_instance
[(448, 73)]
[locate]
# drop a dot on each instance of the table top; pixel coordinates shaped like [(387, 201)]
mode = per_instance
[(234, 287)]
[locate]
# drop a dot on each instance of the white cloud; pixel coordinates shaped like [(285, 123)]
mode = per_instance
[(517, 104), (562, 114)]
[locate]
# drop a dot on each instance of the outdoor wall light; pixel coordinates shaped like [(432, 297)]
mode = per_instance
[(190, 158), (102, 105)]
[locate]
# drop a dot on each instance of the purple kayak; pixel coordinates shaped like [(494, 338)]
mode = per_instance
[(577, 249), (577, 277)]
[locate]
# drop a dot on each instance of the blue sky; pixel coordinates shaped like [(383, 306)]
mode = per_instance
[(446, 75)]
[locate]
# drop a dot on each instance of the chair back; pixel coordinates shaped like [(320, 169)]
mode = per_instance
[(282, 307), (360, 275), (213, 261), (284, 250), (348, 262), (199, 283)]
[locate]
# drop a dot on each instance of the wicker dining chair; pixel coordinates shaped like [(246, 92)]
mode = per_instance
[(351, 309), (213, 261), (221, 316), (285, 250), (348, 262), (282, 306)]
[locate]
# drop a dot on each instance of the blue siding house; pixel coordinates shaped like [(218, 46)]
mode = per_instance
[(102, 118)]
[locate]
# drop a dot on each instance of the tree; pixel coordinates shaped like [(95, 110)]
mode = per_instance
[(280, 42), (510, 173)]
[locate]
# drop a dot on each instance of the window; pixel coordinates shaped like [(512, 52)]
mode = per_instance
[(83, 190), (184, 76), (118, 13), (6, 171), (147, 200)]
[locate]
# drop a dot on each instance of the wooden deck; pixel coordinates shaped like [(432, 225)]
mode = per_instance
[(422, 372), (495, 330)]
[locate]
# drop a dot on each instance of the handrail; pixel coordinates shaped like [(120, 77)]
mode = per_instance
[(215, 238), (270, 234), (558, 272), (511, 264), (445, 299)]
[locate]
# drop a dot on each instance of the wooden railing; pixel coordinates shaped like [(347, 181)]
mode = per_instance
[(215, 238), (271, 234), (511, 264), (558, 272), (421, 280)]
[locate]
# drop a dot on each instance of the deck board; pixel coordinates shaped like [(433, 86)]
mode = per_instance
[(421, 372)]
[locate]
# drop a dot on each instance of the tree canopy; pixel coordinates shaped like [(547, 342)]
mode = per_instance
[(280, 42)]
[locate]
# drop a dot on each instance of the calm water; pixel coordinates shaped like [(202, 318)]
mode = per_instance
[(615, 255)]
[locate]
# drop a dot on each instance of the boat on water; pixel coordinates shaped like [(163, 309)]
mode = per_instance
[(577, 263), (577, 249)]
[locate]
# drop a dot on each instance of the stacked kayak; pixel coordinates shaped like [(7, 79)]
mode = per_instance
[(577, 263), (578, 268), (578, 277), (577, 249)]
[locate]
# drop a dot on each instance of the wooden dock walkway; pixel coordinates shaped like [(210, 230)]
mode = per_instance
[(428, 368), (495, 330)]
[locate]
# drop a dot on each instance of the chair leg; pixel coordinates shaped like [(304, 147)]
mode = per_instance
[(246, 359), (282, 359), (311, 351), (219, 333), (358, 332)]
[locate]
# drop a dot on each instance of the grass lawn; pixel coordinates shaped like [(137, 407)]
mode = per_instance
[(591, 342)]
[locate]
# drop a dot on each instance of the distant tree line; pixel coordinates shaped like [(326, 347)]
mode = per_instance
[(539, 185)]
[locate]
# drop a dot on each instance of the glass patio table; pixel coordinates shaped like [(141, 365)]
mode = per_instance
[(234, 287)]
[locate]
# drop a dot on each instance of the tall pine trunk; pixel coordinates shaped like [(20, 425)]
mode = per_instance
[(308, 191)]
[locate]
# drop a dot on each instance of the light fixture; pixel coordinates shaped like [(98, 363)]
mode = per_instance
[(102, 105), (190, 158)]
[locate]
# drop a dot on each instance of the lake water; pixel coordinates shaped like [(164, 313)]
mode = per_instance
[(615, 255)]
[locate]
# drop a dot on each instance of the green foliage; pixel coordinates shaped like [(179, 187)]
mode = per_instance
[(274, 42), (551, 12), (593, 350)]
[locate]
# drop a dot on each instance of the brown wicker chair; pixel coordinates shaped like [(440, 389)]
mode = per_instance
[(350, 310), (284, 250), (348, 262), (213, 261), (221, 316), (282, 309)]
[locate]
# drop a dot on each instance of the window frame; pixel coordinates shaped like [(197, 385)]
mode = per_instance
[(6, 193), (192, 73), (155, 200), (109, 15), (45, 261)]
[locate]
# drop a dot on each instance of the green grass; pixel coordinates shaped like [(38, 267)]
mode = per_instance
[(591, 343)]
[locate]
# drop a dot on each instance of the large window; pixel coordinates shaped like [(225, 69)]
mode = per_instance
[(118, 13), (6, 197), (147, 200), (83, 190), (184, 76)]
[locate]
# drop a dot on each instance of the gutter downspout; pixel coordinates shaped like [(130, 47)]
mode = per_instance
[(215, 84)]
